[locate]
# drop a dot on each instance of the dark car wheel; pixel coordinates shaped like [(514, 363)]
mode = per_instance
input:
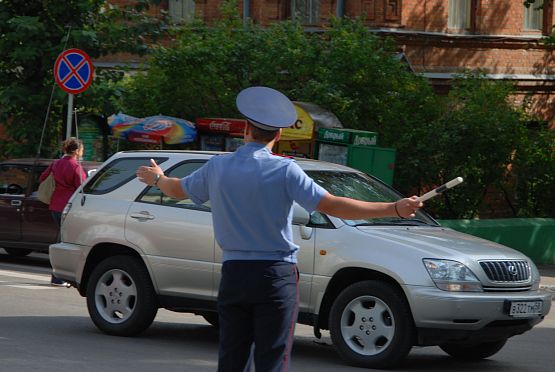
[(16, 252), (120, 296), (473, 351), (371, 325)]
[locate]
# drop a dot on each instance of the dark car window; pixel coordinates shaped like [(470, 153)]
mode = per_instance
[(36, 174), (153, 194), (116, 174), (14, 179), (359, 186)]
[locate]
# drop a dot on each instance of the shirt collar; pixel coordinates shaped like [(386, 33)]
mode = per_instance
[(255, 146)]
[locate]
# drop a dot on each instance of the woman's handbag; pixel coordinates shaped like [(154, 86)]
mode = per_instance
[(46, 189)]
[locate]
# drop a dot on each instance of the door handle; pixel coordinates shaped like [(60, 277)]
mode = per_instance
[(142, 216), (16, 203)]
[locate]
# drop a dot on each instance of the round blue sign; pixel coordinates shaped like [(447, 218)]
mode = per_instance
[(73, 71)]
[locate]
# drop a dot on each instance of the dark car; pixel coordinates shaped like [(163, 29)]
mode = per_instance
[(26, 224)]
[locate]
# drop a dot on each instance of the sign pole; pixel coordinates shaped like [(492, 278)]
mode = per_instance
[(69, 114)]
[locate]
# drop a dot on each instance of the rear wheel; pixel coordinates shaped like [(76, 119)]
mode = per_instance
[(120, 296), (473, 351), (16, 252), (371, 325)]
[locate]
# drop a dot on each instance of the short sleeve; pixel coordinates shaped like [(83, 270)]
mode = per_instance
[(195, 185), (302, 189)]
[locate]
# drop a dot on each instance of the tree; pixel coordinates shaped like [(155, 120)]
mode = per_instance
[(33, 33), (474, 132)]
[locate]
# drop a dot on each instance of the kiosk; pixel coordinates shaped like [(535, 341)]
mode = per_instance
[(356, 149)]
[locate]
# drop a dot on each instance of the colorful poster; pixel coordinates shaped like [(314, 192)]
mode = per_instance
[(303, 129)]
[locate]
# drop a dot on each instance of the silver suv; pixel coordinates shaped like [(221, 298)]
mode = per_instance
[(379, 286)]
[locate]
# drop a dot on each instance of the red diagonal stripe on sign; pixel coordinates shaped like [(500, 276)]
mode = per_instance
[(73, 71)]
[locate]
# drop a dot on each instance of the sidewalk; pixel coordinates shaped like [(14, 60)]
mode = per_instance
[(547, 282)]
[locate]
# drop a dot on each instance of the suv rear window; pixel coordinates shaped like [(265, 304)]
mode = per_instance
[(116, 174)]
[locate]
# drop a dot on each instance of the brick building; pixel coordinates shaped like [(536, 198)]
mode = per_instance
[(439, 37)]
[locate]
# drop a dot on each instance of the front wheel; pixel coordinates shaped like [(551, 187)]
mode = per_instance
[(371, 325), (475, 351), (120, 296)]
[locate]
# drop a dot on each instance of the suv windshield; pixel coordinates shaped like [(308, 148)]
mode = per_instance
[(361, 187)]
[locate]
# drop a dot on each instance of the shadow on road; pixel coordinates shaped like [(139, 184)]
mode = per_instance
[(73, 343), (33, 260)]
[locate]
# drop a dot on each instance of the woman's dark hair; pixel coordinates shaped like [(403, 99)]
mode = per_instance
[(71, 145)]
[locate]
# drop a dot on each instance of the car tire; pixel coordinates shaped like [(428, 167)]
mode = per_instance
[(120, 296), (16, 252), (371, 325), (475, 351)]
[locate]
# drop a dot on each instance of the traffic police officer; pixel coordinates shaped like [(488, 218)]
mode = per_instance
[(252, 193)]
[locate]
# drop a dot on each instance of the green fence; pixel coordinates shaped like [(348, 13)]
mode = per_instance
[(535, 237)]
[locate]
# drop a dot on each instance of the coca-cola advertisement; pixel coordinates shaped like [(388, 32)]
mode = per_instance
[(233, 127)]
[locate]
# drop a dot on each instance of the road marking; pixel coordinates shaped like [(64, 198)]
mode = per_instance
[(29, 286), (40, 278)]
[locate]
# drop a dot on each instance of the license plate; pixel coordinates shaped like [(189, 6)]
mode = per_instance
[(525, 308)]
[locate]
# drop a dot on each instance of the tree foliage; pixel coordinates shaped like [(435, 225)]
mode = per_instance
[(474, 132), (33, 33)]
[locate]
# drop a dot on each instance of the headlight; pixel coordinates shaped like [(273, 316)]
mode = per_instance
[(452, 276), (536, 277)]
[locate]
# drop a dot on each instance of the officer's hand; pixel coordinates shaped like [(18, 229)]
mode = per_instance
[(407, 207), (148, 175)]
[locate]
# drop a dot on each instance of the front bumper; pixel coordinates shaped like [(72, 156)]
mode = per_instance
[(471, 315)]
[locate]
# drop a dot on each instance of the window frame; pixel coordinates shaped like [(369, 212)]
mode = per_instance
[(181, 17), (531, 14), (309, 21), (471, 15), (90, 183), (193, 206)]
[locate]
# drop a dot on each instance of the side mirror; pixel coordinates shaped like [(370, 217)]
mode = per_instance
[(91, 172), (300, 215)]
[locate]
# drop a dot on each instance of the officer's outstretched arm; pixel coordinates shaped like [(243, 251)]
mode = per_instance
[(171, 187), (353, 209)]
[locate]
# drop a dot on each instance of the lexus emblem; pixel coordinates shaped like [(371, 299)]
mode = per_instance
[(512, 270)]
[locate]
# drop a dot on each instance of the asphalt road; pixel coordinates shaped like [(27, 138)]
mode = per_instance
[(43, 328)]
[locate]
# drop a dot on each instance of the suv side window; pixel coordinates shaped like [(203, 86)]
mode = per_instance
[(14, 179), (153, 194), (116, 174)]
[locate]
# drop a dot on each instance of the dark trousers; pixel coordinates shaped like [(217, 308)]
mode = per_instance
[(257, 303)]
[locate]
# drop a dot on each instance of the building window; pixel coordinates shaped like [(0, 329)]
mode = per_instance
[(533, 16), (306, 11), (181, 10), (459, 16)]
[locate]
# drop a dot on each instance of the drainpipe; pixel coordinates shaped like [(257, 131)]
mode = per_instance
[(246, 11), (340, 9)]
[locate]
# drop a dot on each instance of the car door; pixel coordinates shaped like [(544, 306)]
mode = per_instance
[(304, 237), (37, 224), (14, 179), (177, 237)]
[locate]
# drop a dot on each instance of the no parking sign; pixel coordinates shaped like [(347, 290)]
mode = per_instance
[(73, 71)]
